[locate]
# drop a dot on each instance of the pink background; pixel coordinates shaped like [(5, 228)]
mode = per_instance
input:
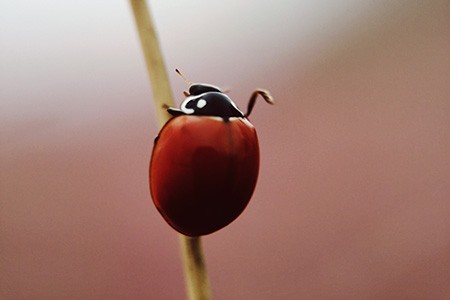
[(353, 199)]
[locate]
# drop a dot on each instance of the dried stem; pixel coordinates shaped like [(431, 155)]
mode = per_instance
[(162, 95), (194, 265), (194, 268)]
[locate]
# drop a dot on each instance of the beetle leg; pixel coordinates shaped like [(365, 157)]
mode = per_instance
[(258, 92), (156, 139)]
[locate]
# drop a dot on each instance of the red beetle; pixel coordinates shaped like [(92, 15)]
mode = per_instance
[(205, 161)]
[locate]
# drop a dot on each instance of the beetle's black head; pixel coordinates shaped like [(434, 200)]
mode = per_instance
[(200, 88), (207, 100)]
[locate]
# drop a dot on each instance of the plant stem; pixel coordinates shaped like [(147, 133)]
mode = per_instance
[(194, 266), (156, 69)]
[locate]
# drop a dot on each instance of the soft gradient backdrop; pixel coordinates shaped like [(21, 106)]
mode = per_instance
[(353, 199)]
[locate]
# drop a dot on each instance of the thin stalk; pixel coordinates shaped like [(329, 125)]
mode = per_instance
[(194, 264), (156, 69), (194, 268)]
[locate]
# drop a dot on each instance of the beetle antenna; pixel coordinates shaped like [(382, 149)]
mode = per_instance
[(258, 92), (182, 76)]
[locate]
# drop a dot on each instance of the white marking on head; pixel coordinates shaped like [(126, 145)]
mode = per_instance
[(184, 108), (201, 103)]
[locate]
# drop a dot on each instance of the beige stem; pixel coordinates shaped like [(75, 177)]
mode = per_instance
[(159, 80), (194, 265), (195, 268)]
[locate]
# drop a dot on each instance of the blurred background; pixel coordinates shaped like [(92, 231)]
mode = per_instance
[(353, 198)]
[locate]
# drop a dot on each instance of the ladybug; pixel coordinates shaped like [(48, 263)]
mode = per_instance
[(205, 161)]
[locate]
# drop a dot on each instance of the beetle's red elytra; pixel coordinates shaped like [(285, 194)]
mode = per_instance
[(205, 162)]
